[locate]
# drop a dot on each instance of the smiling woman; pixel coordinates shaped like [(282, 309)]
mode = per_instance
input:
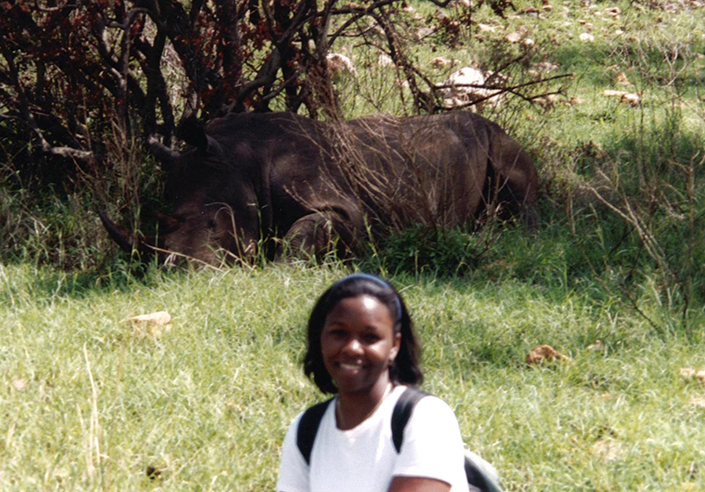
[(362, 346), (358, 346)]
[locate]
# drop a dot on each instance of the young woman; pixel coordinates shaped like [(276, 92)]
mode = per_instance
[(361, 345)]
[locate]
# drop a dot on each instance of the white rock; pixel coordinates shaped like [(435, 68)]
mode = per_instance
[(466, 86), (339, 63)]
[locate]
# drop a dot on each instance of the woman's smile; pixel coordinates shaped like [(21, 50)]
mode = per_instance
[(349, 370)]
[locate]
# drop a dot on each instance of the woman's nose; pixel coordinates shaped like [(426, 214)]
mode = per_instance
[(353, 346)]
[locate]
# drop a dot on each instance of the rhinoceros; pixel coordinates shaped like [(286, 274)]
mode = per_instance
[(249, 180)]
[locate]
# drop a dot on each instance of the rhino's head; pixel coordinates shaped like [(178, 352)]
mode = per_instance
[(215, 213)]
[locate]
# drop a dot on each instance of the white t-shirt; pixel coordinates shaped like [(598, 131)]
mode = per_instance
[(363, 459)]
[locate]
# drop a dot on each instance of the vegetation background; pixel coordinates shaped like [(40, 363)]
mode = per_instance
[(613, 279)]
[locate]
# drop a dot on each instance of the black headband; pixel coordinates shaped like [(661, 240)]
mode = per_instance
[(375, 280)]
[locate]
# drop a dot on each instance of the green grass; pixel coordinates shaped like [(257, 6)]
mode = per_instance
[(88, 404)]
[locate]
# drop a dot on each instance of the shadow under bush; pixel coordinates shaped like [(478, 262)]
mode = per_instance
[(421, 249)]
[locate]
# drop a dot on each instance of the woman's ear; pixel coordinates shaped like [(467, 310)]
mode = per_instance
[(395, 348)]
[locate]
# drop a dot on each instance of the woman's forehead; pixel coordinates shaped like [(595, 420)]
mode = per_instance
[(368, 301), (363, 304)]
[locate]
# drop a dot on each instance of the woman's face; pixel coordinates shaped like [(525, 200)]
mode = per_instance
[(358, 344)]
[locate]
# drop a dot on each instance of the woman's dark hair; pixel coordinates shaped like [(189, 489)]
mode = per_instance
[(405, 368)]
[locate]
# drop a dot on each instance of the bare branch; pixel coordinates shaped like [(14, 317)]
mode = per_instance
[(81, 155)]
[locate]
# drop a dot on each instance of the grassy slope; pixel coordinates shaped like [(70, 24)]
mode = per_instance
[(89, 404)]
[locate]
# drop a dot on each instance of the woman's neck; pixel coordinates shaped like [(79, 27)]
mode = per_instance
[(352, 409)]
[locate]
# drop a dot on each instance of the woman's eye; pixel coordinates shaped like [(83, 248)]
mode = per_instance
[(370, 338)]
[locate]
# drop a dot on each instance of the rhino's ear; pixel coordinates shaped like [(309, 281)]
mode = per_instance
[(164, 154), (213, 148), (193, 132)]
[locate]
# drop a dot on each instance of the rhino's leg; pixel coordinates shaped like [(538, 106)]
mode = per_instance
[(516, 183), (317, 234)]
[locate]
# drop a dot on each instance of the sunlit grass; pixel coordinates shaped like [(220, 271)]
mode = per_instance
[(91, 404)]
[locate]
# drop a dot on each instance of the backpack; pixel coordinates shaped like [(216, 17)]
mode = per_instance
[(481, 475)]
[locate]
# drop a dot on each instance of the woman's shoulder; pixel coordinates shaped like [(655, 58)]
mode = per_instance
[(421, 398), (431, 407), (315, 411)]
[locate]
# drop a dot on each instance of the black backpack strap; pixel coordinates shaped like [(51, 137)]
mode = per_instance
[(402, 413), (308, 427), (475, 475), (478, 476)]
